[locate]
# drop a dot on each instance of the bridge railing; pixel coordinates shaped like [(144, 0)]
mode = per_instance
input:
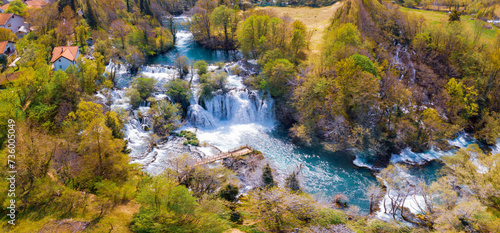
[(222, 155)]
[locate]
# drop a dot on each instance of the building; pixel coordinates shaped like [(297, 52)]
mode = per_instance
[(7, 47), (36, 3), (4, 8), (64, 56), (9, 1), (13, 22)]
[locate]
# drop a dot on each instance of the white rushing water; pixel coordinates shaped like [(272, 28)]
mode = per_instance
[(407, 156)]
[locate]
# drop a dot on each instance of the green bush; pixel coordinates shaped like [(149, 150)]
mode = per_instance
[(364, 63), (201, 66), (191, 138)]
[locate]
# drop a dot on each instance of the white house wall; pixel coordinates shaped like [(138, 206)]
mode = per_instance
[(62, 64), (14, 23)]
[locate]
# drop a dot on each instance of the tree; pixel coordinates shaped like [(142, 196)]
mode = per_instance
[(229, 192), (201, 66), (115, 123), (88, 73), (340, 42), (454, 16), (182, 63), (292, 181), (90, 15), (280, 210), (172, 27), (120, 30), (134, 96), (179, 92), (145, 86), (267, 177), (166, 117), (102, 156), (17, 7), (65, 27), (278, 74), (35, 150), (134, 57), (169, 207), (81, 32), (6, 34), (221, 17), (374, 193)]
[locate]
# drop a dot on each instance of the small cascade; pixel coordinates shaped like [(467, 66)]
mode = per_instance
[(240, 106), (120, 71), (496, 149), (161, 73), (402, 61), (198, 116)]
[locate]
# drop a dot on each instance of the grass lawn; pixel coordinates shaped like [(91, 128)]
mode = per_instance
[(435, 17), (317, 19)]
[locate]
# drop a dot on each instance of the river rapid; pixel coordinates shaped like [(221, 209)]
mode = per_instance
[(243, 116)]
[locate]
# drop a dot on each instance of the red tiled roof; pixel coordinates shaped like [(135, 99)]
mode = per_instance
[(4, 7), (3, 45), (36, 3), (5, 17), (68, 52)]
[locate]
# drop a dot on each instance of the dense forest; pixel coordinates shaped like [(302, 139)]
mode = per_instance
[(384, 80)]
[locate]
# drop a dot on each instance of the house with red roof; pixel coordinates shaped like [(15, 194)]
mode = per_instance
[(7, 47), (4, 8), (64, 56), (13, 22)]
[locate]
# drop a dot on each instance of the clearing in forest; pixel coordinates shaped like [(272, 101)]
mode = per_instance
[(317, 19)]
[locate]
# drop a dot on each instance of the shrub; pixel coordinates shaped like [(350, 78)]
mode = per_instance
[(201, 66)]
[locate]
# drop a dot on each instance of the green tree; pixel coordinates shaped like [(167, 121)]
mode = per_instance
[(280, 210), (90, 15), (6, 34), (364, 63), (134, 96), (278, 74), (201, 66), (169, 207), (115, 123), (81, 32), (267, 177), (292, 182), (221, 17), (229, 192), (166, 117), (145, 86), (17, 7), (179, 92)]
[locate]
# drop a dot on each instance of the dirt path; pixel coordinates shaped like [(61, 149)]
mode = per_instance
[(317, 19)]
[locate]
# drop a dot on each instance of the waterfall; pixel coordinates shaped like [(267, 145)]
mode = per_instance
[(402, 61), (236, 106)]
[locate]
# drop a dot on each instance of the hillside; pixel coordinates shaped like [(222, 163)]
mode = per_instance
[(316, 20)]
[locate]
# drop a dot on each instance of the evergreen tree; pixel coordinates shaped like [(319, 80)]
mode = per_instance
[(292, 183), (91, 19), (267, 177), (229, 192)]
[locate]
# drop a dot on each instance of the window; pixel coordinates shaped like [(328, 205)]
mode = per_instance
[(60, 67), (59, 60)]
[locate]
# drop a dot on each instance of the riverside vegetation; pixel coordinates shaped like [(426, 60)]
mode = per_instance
[(384, 79)]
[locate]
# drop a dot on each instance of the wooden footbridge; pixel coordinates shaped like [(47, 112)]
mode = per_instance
[(242, 150)]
